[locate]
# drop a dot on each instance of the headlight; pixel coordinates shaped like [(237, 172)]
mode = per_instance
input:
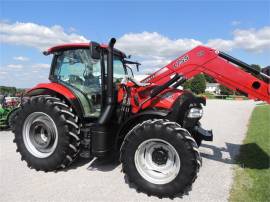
[(195, 113)]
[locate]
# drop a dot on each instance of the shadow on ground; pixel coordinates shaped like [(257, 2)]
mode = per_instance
[(95, 164), (79, 162), (251, 155), (104, 164)]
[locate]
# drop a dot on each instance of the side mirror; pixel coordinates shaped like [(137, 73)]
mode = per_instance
[(137, 67), (94, 50), (132, 63)]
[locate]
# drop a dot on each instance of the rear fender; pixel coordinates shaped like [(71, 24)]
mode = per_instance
[(60, 91)]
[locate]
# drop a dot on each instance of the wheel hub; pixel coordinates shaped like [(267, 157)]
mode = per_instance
[(160, 156), (157, 161), (40, 134)]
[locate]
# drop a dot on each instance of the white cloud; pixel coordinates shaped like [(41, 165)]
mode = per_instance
[(41, 65), (235, 22), (155, 50), (21, 58), (15, 66), (72, 29), (145, 44), (42, 76), (2, 73), (35, 35), (221, 44), (250, 40), (253, 40), (152, 49), (152, 43)]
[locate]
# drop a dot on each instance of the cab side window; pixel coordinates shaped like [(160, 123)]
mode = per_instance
[(118, 71)]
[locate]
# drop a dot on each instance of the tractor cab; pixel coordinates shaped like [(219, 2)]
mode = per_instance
[(83, 68)]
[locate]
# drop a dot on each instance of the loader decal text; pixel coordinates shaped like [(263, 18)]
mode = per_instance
[(180, 61), (149, 78)]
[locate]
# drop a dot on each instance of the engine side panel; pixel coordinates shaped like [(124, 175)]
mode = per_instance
[(164, 100)]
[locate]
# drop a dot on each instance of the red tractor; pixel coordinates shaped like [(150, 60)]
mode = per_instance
[(93, 107)]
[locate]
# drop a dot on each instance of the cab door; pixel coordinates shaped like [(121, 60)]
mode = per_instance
[(81, 74)]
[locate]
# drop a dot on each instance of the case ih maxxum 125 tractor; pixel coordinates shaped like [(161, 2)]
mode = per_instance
[(93, 107)]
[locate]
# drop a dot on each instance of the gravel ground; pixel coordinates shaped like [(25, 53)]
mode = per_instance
[(98, 181)]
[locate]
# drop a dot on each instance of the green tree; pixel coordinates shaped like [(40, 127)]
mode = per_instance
[(9, 91), (257, 67), (198, 84), (209, 79), (187, 84), (225, 91)]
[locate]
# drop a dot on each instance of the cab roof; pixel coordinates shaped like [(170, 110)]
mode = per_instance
[(63, 47)]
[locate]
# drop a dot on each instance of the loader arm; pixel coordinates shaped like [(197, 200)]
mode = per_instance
[(225, 69)]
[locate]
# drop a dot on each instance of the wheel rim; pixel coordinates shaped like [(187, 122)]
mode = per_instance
[(40, 134), (157, 161)]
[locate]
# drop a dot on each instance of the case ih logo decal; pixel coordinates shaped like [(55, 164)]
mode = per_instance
[(180, 61), (200, 53)]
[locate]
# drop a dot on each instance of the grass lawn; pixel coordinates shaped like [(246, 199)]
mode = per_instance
[(252, 174)]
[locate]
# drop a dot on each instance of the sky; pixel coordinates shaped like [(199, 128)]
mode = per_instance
[(153, 32)]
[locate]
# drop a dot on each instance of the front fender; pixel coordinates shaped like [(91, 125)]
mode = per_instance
[(138, 118), (182, 105)]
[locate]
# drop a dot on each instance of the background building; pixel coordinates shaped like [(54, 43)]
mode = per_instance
[(213, 88)]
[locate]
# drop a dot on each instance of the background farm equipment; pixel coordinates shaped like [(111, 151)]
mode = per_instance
[(8, 106)]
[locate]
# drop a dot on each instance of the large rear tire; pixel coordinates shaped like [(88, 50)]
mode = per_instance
[(160, 158), (47, 133)]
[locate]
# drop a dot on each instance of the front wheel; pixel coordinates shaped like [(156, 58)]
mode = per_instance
[(160, 158)]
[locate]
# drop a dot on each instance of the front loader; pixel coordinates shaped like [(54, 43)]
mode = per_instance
[(93, 107)]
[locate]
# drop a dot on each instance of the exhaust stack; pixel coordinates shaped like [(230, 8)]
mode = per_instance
[(105, 117)]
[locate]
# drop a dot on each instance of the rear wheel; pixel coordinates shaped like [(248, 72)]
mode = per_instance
[(160, 158), (47, 133)]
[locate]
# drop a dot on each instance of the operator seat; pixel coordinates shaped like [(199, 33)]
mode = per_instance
[(91, 80)]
